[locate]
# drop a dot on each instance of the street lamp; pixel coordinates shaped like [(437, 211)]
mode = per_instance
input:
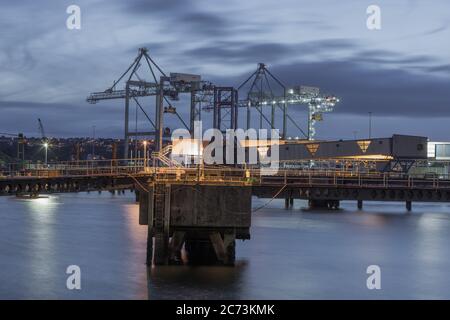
[(145, 154), (46, 151)]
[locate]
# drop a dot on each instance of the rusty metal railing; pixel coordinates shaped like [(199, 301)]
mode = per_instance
[(229, 175)]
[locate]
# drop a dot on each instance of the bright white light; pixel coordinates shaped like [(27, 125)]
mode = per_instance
[(46, 145)]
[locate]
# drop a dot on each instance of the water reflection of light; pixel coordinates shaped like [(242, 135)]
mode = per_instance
[(429, 239), (137, 235), (429, 223), (136, 232), (41, 223), (371, 219), (431, 252), (42, 206)]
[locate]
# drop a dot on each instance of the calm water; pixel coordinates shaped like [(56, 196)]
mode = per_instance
[(293, 254)]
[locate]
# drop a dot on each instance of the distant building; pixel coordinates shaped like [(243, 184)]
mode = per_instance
[(438, 150)]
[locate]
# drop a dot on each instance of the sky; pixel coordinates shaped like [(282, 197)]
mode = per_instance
[(400, 73)]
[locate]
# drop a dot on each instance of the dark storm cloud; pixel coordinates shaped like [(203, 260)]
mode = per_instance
[(326, 44), (184, 17), (385, 57), (205, 23), (157, 6), (245, 52), (239, 52), (60, 119), (440, 68), (385, 92)]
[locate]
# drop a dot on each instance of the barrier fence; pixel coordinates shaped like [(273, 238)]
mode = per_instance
[(227, 175)]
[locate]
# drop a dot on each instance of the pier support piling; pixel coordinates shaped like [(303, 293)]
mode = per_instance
[(161, 249), (288, 203), (175, 245), (137, 194), (219, 247), (408, 206), (323, 204), (360, 204)]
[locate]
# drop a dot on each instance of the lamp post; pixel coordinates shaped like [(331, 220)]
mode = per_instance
[(145, 155), (93, 142), (46, 150)]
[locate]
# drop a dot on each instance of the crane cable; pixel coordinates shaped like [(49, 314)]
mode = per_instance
[(268, 202)]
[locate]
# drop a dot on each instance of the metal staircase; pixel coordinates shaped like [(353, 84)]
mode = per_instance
[(164, 157)]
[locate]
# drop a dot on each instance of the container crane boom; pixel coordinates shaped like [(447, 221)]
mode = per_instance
[(42, 131)]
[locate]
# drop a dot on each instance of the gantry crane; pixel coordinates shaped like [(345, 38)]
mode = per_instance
[(134, 88), (162, 86), (206, 96), (262, 94)]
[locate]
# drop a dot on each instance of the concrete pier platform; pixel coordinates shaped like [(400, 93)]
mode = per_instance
[(205, 219)]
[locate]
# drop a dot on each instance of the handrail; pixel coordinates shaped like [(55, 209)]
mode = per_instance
[(222, 174)]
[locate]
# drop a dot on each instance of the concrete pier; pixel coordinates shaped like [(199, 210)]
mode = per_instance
[(205, 219)]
